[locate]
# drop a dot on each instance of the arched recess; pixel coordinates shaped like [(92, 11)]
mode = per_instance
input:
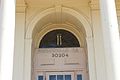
[(72, 12), (88, 37), (47, 28)]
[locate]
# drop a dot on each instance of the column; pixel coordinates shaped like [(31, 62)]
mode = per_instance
[(111, 39), (7, 28)]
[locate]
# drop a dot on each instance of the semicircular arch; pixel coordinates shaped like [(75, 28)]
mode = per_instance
[(72, 12)]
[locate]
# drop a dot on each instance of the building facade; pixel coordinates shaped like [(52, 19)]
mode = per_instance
[(59, 40)]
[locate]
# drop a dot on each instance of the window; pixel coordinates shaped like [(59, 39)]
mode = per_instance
[(79, 77), (52, 77), (58, 39), (67, 77), (59, 77), (40, 77)]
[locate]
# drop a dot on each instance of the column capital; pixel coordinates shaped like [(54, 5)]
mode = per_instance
[(95, 5), (20, 8)]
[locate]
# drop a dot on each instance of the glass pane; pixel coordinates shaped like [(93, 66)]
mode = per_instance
[(40, 77), (67, 77), (58, 39), (59, 77), (79, 77), (52, 77)]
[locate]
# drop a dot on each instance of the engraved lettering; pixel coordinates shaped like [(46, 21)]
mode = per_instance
[(59, 55)]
